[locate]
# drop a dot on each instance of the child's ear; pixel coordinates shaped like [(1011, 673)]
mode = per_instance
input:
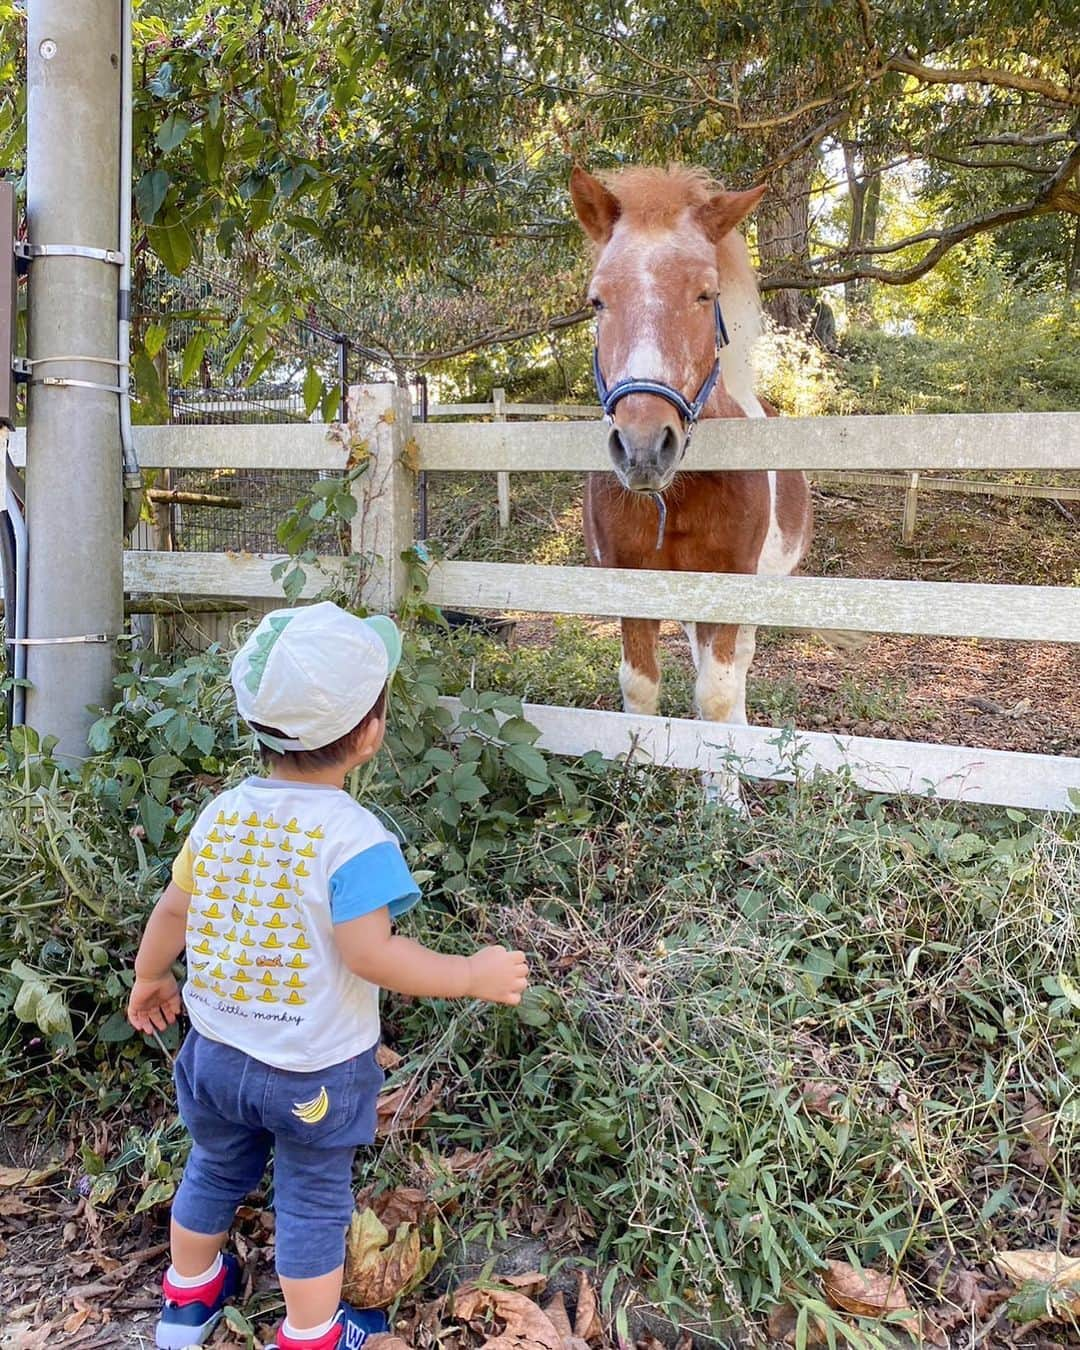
[(369, 736)]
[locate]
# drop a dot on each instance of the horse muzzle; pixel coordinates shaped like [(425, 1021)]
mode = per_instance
[(646, 460)]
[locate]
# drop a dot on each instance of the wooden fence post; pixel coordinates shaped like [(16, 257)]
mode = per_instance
[(911, 508), (502, 479), (380, 422)]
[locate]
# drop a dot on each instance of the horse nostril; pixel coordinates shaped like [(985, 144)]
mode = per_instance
[(617, 448), (669, 446)]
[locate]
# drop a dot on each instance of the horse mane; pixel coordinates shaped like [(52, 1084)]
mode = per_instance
[(654, 198)]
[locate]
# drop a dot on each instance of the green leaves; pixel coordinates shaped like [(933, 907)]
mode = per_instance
[(150, 192), (173, 132), (39, 1002), (173, 242)]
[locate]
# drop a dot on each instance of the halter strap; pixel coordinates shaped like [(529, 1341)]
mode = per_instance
[(687, 410)]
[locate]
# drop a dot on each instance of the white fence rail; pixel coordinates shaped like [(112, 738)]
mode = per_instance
[(1038, 441)]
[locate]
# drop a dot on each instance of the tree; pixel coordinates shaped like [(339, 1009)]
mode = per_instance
[(414, 157)]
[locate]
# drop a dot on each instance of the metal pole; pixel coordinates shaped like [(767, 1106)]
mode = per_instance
[(74, 499), (422, 483)]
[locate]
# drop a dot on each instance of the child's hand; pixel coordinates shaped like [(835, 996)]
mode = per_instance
[(154, 1004), (498, 975)]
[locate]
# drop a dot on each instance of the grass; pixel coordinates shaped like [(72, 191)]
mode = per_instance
[(756, 1045)]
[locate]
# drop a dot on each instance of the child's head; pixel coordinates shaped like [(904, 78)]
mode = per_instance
[(311, 683)]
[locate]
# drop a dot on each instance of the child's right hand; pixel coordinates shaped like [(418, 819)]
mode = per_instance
[(498, 975)]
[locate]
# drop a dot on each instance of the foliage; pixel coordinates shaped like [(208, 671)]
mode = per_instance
[(409, 162), (753, 1045)]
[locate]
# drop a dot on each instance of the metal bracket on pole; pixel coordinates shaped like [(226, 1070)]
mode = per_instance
[(60, 641), (58, 381), (21, 369), (26, 253)]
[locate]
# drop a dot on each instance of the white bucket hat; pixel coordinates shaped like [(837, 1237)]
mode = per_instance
[(313, 673)]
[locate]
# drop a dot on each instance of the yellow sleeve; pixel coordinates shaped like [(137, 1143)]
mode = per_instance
[(181, 869)]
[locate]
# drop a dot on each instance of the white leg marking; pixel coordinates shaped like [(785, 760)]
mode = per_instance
[(720, 695), (720, 692), (690, 629), (640, 692)]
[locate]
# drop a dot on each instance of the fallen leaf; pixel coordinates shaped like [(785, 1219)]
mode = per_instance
[(377, 1267), (817, 1097), (401, 1109), (1059, 1275), (685, 1341), (587, 1324), (464, 1163), (526, 1327), (650, 1342), (404, 1204), (386, 1058), (529, 1282), (559, 1317), (1038, 1126), (386, 1340), (866, 1293), (75, 1321), (24, 1178)]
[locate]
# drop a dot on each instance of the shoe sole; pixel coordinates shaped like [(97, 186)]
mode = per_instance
[(168, 1336)]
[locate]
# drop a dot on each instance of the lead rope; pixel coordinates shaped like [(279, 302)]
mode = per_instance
[(661, 524)]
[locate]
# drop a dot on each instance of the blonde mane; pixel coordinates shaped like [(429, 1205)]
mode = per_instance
[(654, 198)]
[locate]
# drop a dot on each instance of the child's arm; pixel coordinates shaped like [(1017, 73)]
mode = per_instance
[(155, 996), (370, 949)]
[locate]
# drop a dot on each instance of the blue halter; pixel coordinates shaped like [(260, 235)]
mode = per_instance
[(688, 411)]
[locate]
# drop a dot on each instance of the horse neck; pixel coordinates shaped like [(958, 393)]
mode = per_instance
[(742, 316)]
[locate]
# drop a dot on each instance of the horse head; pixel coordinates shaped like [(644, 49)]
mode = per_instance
[(669, 267)]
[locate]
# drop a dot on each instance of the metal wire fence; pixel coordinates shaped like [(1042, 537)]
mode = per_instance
[(202, 315)]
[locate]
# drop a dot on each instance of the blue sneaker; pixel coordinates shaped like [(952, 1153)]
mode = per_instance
[(188, 1316), (352, 1327)]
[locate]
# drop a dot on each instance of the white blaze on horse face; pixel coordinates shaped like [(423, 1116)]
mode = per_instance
[(650, 344)]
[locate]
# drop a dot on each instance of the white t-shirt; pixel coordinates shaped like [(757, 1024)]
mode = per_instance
[(271, 867)]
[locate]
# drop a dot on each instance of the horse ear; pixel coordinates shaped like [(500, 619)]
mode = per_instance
[(722, 212), (596, 207)]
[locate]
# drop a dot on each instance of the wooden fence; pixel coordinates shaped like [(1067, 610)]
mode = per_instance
[(911, 483), (384, 527)]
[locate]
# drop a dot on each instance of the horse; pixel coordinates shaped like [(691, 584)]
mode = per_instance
[(677, 316)]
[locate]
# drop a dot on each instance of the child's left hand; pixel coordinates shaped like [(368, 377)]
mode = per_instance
[(154, 1004)]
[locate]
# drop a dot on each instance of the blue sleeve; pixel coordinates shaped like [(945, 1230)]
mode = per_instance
[(370, 880)]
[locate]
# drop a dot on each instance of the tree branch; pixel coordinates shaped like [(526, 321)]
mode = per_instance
[(418, 360), (1001, 79)]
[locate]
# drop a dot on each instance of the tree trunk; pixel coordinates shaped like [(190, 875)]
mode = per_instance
[(783, 221), (865, 194), (1072, 264)]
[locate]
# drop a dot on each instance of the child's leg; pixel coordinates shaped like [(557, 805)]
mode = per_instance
[(313, 1203), (228, 1155), (193, 1254), (311, 1303)]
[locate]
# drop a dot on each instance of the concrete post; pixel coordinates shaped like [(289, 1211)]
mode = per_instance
[(74, 500), (380, 422)]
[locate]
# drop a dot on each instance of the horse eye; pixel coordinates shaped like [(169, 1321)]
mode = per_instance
[(704, 298), (596, 303)]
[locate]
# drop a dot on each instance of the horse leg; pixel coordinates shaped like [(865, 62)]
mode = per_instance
[(724, 653), (639, 674)]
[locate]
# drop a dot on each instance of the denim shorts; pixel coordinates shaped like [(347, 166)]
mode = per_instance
[(238, 1110)]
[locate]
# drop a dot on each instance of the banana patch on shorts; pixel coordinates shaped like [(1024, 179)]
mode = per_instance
[(313, 1111)]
